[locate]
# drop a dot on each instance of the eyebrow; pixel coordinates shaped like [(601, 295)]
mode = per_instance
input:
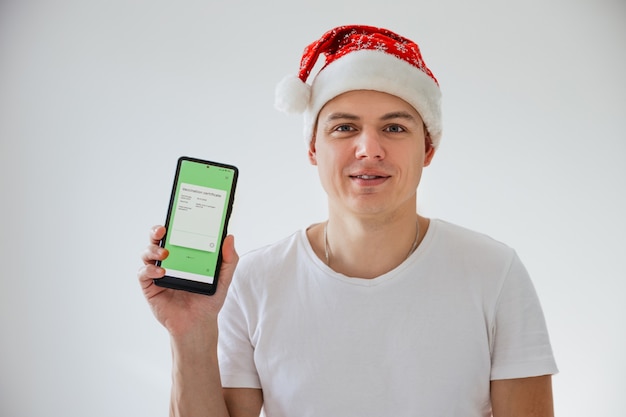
[(399, 115), (389, 116), (337, 116)]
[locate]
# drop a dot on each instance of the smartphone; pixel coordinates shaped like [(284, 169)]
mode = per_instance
[(200, 206)]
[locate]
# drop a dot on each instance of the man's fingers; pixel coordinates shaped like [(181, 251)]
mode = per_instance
[(153, 253), (149, 272), (156, 234)]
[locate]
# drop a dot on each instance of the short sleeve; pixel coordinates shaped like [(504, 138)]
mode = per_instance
[(521, 344), (235, 350)]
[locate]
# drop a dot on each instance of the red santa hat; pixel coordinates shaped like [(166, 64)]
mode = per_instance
[(362, 58)]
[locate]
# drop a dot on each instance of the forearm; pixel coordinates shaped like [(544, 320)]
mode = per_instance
[(196, 385), (527, 397)]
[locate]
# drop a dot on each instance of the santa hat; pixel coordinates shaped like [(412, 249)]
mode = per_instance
[(362, 58)]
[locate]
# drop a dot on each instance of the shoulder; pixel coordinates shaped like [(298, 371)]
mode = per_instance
[(468, 248), (454, 235), (269, 273), (271, 262), (268, 254)]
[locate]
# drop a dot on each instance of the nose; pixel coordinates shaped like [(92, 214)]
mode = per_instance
[(368, 145)]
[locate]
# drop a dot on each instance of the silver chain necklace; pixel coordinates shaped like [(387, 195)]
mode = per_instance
[(413, 246)]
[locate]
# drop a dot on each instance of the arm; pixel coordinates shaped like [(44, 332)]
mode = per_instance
[(191, 320), (522, 397), (197, 388)]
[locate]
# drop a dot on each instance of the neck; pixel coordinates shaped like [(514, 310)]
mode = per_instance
[(366, 248)]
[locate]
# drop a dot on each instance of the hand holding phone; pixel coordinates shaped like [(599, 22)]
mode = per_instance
[(200, 206)]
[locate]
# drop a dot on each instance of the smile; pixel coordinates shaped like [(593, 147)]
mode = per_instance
[(369, 180), (367, 177)]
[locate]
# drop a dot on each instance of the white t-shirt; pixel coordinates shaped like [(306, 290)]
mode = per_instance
[(424, 339)]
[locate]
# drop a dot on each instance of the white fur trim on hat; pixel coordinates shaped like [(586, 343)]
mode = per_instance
[(378, 71), (292, 95)]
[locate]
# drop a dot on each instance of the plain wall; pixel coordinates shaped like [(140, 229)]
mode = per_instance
[(98, 99)]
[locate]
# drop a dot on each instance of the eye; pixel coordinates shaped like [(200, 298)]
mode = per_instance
[(394, 129), (344, 128)]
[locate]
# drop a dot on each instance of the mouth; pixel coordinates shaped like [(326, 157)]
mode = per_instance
[(369, 179)]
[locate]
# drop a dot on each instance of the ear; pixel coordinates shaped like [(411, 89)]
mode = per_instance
[(312, 152), (429, 149), (428, 156)]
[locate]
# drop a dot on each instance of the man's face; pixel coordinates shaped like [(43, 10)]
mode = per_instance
[(369, 148)]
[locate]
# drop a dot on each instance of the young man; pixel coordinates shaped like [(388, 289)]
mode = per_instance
[(377, 311)]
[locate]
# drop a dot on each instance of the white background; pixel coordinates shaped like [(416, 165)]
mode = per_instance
[(98, 99)]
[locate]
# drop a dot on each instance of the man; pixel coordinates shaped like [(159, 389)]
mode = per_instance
[(378, 311)]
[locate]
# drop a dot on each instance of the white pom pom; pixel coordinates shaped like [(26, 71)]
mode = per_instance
[(292, 95)]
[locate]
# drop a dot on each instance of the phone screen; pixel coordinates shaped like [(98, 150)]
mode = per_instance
[(197, 220)]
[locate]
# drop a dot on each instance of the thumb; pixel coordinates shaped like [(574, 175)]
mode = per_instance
[(229, 253), (230, 258)]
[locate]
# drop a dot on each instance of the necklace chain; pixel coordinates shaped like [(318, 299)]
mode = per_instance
[(327, 248)]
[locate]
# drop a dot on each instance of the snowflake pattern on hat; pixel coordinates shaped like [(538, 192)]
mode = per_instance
[(342, 40)]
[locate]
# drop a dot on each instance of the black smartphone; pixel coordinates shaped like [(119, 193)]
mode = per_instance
[(197, 221)]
